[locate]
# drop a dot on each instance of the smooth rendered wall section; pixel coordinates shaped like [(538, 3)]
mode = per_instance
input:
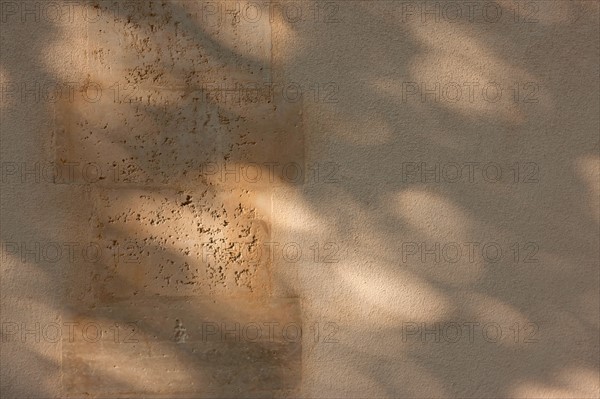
[(300, 199), (464, 208), (36, 216)]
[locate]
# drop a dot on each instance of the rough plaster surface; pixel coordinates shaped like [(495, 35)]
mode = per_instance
[(413, 185)]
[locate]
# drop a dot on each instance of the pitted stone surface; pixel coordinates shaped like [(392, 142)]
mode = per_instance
[(178, 243), (180, 93), (181, 138), (178, 44)]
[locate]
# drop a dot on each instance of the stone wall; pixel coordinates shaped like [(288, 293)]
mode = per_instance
[(299, 198)]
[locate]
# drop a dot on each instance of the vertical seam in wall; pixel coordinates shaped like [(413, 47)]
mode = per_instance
[(1, 106), (271, 267), (61, 286), (271, 38)]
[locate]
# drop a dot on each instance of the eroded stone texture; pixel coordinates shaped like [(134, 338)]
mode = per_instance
[(178, 44), (179, 93), (179, 136), (170, 347), (181, 139), (177, 242)]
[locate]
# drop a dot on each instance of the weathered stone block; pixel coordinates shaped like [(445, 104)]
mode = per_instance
[(181, 139), (175, 243), (178, 44)]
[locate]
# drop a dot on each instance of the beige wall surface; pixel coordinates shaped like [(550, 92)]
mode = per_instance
[(308, 199)]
